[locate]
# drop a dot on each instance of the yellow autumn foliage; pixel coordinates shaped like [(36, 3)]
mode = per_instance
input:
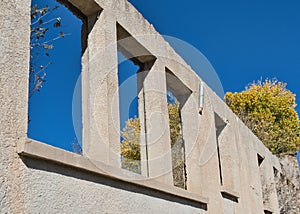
[(130, 145), (131, 151), (177, 146), (174, 122), (268, 109)]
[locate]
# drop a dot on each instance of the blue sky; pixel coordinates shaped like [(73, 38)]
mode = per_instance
[(50, 110), (243, 41)]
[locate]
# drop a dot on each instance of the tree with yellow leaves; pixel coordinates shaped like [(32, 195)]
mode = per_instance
[(131, 150), (130, 145), (268, 109), (177, 146)]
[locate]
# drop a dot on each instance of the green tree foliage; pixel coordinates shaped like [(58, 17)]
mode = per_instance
[(268, 109)]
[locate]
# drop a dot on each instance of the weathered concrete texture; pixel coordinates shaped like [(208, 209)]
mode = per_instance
[(57, 189), (288, 185), (290, 166), (221, 165), (14, 58)]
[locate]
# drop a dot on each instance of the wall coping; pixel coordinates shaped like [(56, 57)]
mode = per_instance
[(35, 149)]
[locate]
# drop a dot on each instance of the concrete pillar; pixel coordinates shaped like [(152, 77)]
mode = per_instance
[(190, 128), (202, 161), (141, 75), (100, 85), (157, 125), (228, 157)]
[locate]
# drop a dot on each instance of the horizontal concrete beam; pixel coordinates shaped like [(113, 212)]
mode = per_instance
[(39, 150)]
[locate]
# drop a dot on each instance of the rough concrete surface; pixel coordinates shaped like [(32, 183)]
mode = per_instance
[(288, 185), (36, 180)]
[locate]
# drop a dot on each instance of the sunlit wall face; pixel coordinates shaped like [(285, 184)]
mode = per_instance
[(56, 61)]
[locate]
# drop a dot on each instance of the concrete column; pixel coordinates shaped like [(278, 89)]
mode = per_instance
[(100, 87), (157, 125), (141, 109), (202, 159), (228, 157), (190, 128)]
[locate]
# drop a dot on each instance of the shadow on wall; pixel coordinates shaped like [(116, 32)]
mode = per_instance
[(47, 166)]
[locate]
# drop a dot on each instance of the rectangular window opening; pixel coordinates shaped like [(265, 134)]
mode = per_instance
[(129, 114), (134, 63), (219, 125), (177, 94), (54, 114), (177, 143), (59, 32)]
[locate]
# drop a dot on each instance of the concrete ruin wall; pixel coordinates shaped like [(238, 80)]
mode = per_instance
[(37, 178), (288, 185)]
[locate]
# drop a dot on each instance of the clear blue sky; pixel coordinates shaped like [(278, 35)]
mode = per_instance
[(50, 110), (242, 40)]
